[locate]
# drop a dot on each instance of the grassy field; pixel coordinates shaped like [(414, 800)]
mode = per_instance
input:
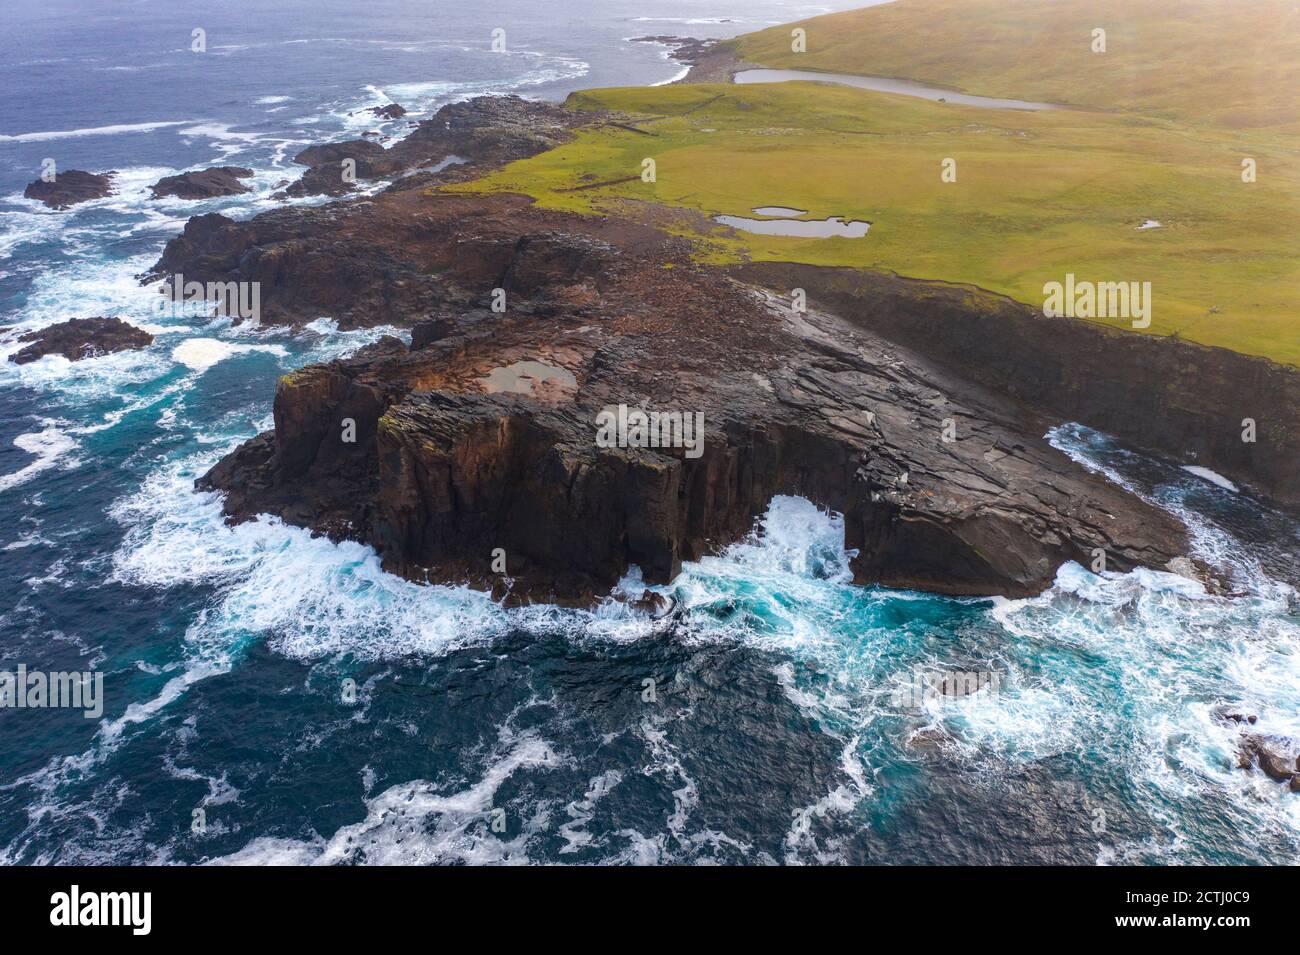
[(1037, 195), (1226, 62)]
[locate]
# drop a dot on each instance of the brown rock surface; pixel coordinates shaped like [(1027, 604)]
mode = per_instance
[(446, 466), (80, 338), (70, 187), (203, 183)]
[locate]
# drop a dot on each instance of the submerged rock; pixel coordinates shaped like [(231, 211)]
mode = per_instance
[(71, 187), (80, 338), (1228, 715), (203, 183)]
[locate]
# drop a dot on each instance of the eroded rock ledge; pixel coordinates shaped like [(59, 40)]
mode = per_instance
[(483, 436), (1177, 398)]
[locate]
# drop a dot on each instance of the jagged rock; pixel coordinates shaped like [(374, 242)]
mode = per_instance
[(486, 131), (1275, 756), (1227, 715), (203, 183), (1194, 397), (71, 187), (80, 338), (656, 605), (389, 111)]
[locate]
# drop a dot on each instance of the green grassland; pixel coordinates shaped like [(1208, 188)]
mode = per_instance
[(1037, 194), (1226, 62)]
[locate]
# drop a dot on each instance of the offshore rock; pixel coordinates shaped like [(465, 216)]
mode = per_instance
[(204, 183), (71, 187), (80, 338)]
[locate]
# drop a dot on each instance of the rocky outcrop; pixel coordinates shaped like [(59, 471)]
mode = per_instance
[(481, 441), (71, 187), (1274, 756), (358, 149), (204, 183), (80, 338), (1186, 401), (481, 133), (388, 111)]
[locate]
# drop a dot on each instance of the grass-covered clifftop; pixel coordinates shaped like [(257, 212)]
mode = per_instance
[(1226, 62), (1037, 194)]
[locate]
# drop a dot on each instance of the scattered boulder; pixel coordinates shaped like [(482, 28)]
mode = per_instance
[(70, 187), (391, 111), (80, 338), (1227, 715), (656, 605), (204, 183), (1274, 755)]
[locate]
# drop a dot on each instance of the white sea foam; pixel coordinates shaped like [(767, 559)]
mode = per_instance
[(52, 448), (91, 131), (201, 354), (1211, 476), (417, 824)]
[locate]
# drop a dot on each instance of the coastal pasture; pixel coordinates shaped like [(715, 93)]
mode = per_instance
[(1037, 194), (1229, 63)]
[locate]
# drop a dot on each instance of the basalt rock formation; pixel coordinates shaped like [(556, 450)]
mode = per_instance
[(482, 440), (71, 187), (203, 183), (80, 338), (1187, 401)]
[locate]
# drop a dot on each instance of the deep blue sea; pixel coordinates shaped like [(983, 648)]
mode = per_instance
[(778, 729)]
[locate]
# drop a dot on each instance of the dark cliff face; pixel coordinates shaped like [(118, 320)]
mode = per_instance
[(485, 436), (1177, 398)]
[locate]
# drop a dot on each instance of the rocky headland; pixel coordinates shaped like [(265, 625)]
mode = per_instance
[(479, 442), (915, 409)]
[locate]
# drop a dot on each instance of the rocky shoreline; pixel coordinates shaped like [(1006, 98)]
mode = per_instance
[(914, 409), (473, 454)]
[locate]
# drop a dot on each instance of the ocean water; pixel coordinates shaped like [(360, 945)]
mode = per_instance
[(766, 722)]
